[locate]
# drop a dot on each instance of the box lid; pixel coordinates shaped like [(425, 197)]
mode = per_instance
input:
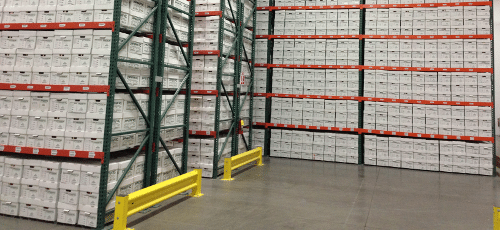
[(71, 166), (63, 32), (42, 33), (82, 32), (13, 161), (96, 96), (32, 162), (91, 168)]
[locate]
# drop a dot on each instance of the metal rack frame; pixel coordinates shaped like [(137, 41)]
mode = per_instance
[(152, 119), (221, 92), (362, 132), (270, 47)]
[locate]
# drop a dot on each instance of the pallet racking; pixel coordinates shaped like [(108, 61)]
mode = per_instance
[(270, 36), (234, 12), (160, 13)]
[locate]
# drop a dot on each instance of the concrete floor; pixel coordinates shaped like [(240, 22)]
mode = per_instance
[(299, 194)]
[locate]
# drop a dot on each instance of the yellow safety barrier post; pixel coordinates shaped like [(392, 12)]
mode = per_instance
[(496, 218), (147, 197), (239, 160)]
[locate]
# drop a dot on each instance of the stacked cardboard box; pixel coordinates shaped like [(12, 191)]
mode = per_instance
[(315, 112), (73, 121), (446, 53), (316, 51), (436, 86), (455, 20), (133, 12), (315, 2), (330, 82), (201, 154), (432, 155), (67, 191), (336, 147), (432, 119), (317, 22)]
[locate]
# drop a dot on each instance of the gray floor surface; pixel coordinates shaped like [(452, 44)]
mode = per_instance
[(300, 194)]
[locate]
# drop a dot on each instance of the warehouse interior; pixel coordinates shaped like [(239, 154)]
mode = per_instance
[(321, 195), (277, 114)]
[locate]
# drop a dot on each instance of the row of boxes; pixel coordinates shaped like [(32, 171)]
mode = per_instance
[(432, 119), (315, 51), (38, 51), (62, 104), (314, 112), (315, 45), (205, 66), (316, 2), (67, 121), (57, 76), (68, 191), (317, 15), (67, 42), (442, 86), (133, 12), (351, 58), (201, 154), (311, 87), (44, 190), (411, 1), (443, 147), (21, 15), (336, 147), (432, 155), (429, 45), (455, 53), (432, 13), (315, 22), (335, 82), (429, 21), (321, 28)]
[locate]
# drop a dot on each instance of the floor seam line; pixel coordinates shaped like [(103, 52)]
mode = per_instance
[(355, 200), (371, 200)]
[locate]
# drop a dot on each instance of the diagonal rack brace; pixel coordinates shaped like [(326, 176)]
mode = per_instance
[(133, 97), (227, 97), (174, 97), (234, 44), (230, 50), (132, 160), (178, 40), (178, 10), (232, 126), (170, 156), (120, 47), (231, 9)]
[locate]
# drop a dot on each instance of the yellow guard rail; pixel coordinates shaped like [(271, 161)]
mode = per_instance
[(496, 218), (239, 160), (147, 197)]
